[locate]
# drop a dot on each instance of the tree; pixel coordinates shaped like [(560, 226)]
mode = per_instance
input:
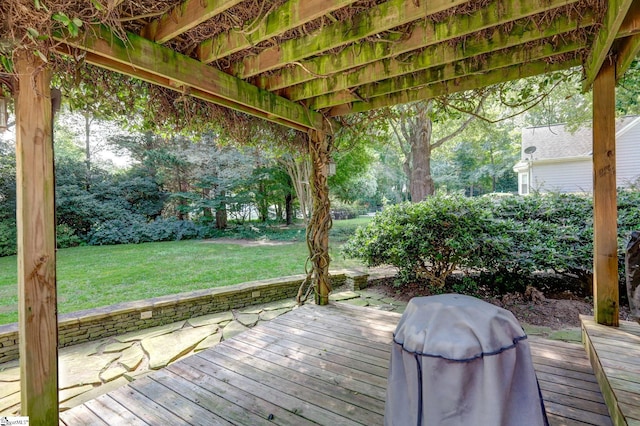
[(7, 198), (92, 109), (481, 161), (412, 125), (298, 167), (354, 179)]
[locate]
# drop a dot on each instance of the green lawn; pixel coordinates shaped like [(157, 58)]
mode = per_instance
[(103, 275)]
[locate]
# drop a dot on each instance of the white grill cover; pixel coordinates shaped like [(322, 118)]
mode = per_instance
[(457, 360)]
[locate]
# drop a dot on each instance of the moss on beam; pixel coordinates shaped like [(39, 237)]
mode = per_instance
[(290, 15), (131, 71), (434, 56), (508, 57), (382, 17), (472, 82), (154, 59), (423, 34)]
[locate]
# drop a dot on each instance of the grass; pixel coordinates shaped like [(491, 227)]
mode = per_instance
[(95, 276)]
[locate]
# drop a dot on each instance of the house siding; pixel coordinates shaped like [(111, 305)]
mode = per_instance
[(628, 157), (572, 176), (563, 162)]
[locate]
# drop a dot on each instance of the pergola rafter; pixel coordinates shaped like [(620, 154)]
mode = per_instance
[(408, 81), (471, 82), (423, 34), (290, 15), (184, 17), (436, 56), (384, 17)]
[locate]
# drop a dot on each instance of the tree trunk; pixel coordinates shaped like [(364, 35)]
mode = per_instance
[(87, 150), (415, 128), (493, 169), (320, 221), (207, 212), (288, 211), (221, 214), (421, 180), (263, 205), (299, 170), (221, 218)]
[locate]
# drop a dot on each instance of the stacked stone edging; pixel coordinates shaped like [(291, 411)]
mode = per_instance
[(94, 324)]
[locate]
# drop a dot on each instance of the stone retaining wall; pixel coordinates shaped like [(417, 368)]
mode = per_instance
[(94, 324)]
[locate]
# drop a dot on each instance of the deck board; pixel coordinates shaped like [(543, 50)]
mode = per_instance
[(614, 353), (315, 365)]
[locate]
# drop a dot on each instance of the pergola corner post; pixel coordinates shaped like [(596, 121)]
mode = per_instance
[(320, 221), (38, 324), (605, 213)]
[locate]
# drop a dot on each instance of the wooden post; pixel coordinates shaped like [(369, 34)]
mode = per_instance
[(320, 221), (605, 213), (38, 325)]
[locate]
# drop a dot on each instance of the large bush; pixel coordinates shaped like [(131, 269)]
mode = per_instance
[(552, 232), (137, 230), (428, 239), (507, 237)]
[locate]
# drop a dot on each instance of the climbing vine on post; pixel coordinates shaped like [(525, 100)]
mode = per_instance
[(320, 145)]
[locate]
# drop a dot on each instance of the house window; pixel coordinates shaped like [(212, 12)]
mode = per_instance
[(524, 183)]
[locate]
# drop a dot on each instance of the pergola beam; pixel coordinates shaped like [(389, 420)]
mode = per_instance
[(452, 86), (628, 50), (183, 17), (423, 34), (103, 62), (291, 14), (382, 17), (631, 24), (505, 58), (615, 16), (605, 212), (139, 56), (628, 47)]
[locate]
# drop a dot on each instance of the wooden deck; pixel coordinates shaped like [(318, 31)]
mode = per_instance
[(314, 365), (615, 357)]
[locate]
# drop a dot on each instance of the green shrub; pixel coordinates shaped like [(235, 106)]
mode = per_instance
[(505, 239), (136, 230), (8, 238), (426, 240), (66, 237), (554, 232)]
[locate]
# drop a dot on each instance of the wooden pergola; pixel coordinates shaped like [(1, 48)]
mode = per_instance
[(301, 63)]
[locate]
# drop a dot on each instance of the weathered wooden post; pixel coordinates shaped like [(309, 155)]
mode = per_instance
[(605, 213), (38, 325), (320, 221)]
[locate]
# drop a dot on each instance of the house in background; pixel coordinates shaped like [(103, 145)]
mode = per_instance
[(553, 159)]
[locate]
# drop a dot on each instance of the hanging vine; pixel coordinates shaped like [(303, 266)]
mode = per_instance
[(317, 236)]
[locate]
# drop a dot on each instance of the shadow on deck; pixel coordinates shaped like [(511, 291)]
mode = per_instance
[(314, 365)]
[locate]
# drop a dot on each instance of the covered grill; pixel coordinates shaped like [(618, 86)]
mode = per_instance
[(457, 360)]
